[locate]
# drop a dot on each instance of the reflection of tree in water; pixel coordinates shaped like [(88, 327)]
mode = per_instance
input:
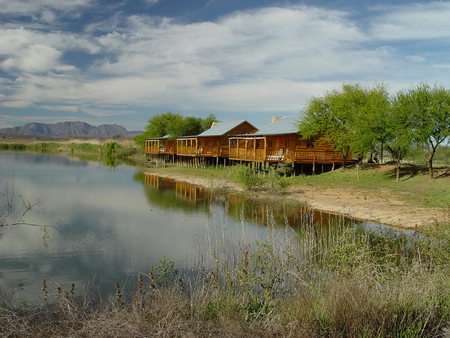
[(172, 194), (109, 161)]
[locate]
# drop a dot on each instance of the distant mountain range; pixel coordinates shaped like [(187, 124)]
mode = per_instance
[(70, 129)]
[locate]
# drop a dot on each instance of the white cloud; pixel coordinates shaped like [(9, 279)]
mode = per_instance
[(412, 22), (42, 8), (262, 60), (16, 104)]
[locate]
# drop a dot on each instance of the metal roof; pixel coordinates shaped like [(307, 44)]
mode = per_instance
[(284, 125), (221, 128), (159, 138)]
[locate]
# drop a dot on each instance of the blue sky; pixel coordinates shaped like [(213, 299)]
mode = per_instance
[(120, 61)]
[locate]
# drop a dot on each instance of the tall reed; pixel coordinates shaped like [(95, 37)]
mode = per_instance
[(334, 281)]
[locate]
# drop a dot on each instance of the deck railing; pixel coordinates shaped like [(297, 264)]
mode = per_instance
[(284, 155), (319, 156), (187, 151)]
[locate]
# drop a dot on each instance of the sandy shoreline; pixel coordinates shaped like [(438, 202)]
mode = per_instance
[(387, 211)]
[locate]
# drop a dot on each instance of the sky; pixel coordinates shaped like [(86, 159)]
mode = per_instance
[(124, 61)]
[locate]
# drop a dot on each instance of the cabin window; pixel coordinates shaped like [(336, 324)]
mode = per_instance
[(258, 143), (217, 142), (252, 143), (288, 142), (311, 144), (270, 143), (233, 142)]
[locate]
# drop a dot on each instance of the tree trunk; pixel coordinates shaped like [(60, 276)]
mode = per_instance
[(430, 164), (344, 157), (398, 170)]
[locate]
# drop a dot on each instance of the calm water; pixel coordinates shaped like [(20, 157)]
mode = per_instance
[(110, 224)]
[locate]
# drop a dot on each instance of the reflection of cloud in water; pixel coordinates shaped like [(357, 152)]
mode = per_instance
[(108, 227), (113, 224)]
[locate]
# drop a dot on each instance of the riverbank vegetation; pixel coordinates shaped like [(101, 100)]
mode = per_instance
[(120, 149), (317, 282)]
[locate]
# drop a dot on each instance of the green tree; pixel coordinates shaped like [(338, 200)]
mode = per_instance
[(159, 126), (174, 125), (208, 121), (429, 114), (398, 137), (352, 118)]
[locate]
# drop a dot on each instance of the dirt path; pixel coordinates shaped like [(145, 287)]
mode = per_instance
[(387, 211)]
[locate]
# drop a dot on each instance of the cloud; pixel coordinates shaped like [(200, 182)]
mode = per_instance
[(269, 59), (16, 104), (69, 109), (43, 10), (97, 112), (413, 22)]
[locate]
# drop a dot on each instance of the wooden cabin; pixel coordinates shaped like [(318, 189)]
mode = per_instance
[(160, 148), (214, 141), (280, 142)]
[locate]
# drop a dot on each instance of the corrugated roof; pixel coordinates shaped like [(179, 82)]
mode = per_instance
[(221, 128), (284, 125)]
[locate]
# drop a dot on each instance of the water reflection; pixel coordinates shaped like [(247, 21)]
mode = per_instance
[(114, 222), (264, 213)]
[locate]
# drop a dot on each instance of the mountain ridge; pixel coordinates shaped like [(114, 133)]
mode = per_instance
[(69, 129)]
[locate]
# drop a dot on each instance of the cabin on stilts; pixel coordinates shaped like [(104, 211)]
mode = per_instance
[(280, 142), (211, 146), (160, 149)]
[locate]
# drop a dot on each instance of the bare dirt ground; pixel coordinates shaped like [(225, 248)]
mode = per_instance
[(388, 210), (385, 211)]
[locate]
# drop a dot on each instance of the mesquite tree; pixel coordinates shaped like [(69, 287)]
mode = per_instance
[(429, 116)]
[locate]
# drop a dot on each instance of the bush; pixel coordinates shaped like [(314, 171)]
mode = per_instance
[(274, 179), (248, 176)]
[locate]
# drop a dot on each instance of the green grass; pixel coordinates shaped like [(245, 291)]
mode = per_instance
[(376, 181)]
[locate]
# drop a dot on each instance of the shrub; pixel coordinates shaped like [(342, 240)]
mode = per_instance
[(248, 176)]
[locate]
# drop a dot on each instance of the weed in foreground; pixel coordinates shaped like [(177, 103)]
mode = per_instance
[(365, 284)]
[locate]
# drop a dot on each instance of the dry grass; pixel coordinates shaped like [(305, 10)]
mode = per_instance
[(349, 285)]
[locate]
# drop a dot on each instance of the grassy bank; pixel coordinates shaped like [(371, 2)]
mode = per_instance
[(375, 181), (119, 149), (379, 180), (349, 283)]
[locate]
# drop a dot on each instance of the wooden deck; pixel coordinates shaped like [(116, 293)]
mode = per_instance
[(284, 149)]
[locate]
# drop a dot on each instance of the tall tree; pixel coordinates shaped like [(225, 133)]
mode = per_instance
[(352, 118), (399, 130), (429, 109)]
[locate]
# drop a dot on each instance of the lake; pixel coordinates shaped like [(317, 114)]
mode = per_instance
[(95, 225)]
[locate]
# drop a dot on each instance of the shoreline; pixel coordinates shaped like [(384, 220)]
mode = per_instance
[(387, 211)]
